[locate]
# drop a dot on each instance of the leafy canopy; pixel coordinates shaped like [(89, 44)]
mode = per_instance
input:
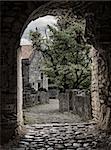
[(66, 54)]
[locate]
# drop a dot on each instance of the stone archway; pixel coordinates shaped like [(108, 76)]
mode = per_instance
[(15, 17), (97, 30)]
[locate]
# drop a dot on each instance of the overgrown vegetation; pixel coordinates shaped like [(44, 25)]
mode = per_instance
[(66, 54)]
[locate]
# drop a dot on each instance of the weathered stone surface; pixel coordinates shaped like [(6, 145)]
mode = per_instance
[(13, 18), (81, 148), (90, 139), (82, 106), (63, 102), (76, 145), (32, 78), (77, 101)]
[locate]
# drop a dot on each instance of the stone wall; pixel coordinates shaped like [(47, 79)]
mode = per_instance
[(34, 69), (104, 81), (14, 19), (25, 72), (99, 34), (101, 87), (81, 105), (63, 102), (95, 84), (32, 79), (26, 86), (77, 102), (43, 97), (8, 88)]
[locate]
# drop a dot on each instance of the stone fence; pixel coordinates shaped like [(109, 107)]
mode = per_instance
[(43, 97), (77, 102), (81, 106), (63, 102), (32, 97)]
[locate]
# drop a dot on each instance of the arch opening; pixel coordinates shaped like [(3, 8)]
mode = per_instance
[(11, 36), (55, 12)]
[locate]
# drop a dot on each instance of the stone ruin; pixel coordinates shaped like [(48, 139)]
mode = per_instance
[(33, 79), (14, 20), (76, 101)]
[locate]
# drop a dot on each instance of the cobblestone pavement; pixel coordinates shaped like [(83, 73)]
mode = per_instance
[(78, 136)]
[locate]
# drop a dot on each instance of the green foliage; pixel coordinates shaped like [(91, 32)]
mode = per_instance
[(66, 55), (36, 39)]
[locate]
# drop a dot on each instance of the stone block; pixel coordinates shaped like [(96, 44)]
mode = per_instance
[(64, 102), (82, 106), (43, 97)]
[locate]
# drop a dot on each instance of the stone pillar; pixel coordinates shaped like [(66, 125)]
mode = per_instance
[(81, 106), (64, 102), (72, 93), (19, 89), (44, 97), (95, 84)]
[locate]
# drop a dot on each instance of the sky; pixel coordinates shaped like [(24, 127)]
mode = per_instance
[(41, 23)]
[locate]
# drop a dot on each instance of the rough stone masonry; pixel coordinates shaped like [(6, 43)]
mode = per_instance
[(15, 16), (78, 136)]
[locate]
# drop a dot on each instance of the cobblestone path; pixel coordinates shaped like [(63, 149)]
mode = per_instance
[(78, 136)]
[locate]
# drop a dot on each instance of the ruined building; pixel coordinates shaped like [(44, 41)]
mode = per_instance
[(33, 77)]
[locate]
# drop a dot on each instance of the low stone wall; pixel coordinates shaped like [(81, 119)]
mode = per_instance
[(30, 99), (82, 106), (64, 102), (79, 104), (43, 97)]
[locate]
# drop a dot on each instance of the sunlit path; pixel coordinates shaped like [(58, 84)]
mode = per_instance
[(49, 113)]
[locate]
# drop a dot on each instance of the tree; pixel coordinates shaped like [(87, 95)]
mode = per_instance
[(66, 54)]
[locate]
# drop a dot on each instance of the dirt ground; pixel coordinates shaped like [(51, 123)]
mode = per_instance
[(48, 113)]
